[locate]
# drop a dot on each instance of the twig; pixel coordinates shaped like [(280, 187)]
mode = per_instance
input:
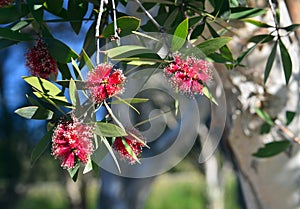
[(97, 33), (160, 28), (116, 35), (274, 14), (287, 131)]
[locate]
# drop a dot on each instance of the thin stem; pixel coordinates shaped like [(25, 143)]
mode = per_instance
[(160, 28), (116, 35), (97, 33), (274, 14)]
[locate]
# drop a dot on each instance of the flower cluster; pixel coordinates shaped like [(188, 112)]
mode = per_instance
[(188, 75), (5, 3), (129, 147), (40, 62), (72, 142), (104, 82)]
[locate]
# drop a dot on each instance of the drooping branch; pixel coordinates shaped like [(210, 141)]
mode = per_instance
[(97, 33)]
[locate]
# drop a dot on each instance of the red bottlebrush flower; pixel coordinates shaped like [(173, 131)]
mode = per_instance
[(103, 83), (5, 3), (72, 142), (188, 75), (129, 147), (40, 62)]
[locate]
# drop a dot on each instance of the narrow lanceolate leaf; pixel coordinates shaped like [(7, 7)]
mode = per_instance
[(212, 45), (108, 130), (270, 62), (87, 60), (209, 95), (127, 51), (257, 23), (73, 172), (42, 85), (292, 27), (245, 12), (35, 112), (41, 146), (76, 11), (286, 61), (126, 24), (180, 35), (289, 115), (272, 149), (60, 51), (73, 92), (264, 115), (9, 34)]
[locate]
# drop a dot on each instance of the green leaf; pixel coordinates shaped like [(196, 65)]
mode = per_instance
[(88, 167), (264, 115), (76, 11), (4, 43), (73, 93), (286, 61), (265, 128), (41, 146), (292, 27), (73, 172), (131, 100), (13, 13), (209, 95), (257, 23), (54, 6), (271, 149), (127, 24), (270, 62), (245, 12), (9, 34), (87, 60), (198, 31), (130, 151), (35, 112), (109, 130), (77, 70), (60, 51), (37, 9), (260, 39), (212, 45), (42, 85), (127, 51), (289, 115), (99, 154), (180, 35)]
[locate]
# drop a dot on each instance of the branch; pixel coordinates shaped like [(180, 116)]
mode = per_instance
[(293, 7), (97, 33)]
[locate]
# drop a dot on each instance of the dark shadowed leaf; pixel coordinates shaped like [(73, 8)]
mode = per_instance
[(270, 62), (292, 27), (9, 34), (77, 10), (286, 61), (60, 51), (264, 38), (73, 172), (289, 115), (41, 147), (54, 6), (13, 13), (271, 149)]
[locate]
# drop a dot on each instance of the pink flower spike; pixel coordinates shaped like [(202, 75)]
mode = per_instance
[(40, 62), (104, 82), (135, 145), (5, 3), (188, 75), (72, 142)]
